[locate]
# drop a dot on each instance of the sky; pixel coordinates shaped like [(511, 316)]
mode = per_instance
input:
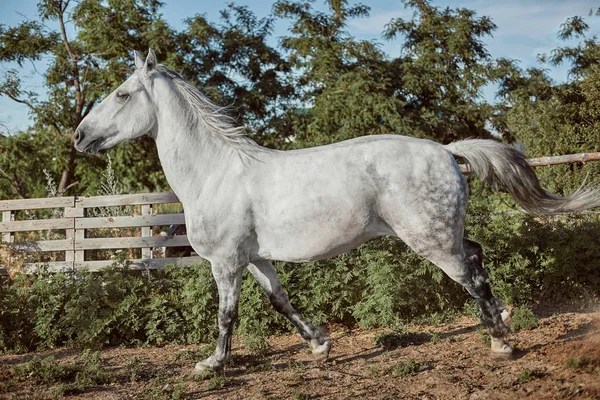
[(526, 28)]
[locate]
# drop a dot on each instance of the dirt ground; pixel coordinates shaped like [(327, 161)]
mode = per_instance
[(559, 359)]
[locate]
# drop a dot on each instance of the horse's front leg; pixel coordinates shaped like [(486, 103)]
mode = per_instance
[(229, 282)]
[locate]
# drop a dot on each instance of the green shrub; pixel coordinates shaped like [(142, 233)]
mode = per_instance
[(523, 319), (406, 368)]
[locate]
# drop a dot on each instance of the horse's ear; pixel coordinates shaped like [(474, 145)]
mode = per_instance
[(139, 61), (150, 61)]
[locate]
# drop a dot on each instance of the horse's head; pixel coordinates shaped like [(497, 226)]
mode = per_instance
[(126, 113)]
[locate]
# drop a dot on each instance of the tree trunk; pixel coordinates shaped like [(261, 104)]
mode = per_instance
[(68, 171)]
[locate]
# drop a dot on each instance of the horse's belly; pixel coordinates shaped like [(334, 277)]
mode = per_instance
[(310, 243)]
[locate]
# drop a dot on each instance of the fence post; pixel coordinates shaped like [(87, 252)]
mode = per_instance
[(7, 238), (8, 216), (76, 211), (146, 232)]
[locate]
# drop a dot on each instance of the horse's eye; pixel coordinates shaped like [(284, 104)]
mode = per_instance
[(122, 96)]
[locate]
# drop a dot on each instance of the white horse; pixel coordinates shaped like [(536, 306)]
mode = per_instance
[(246, 205)]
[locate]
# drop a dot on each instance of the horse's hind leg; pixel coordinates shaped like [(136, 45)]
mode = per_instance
[(266, 276), (494, 317), (463, 262)]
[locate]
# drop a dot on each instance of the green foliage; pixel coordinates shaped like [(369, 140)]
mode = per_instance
[(523, 318), (256, 344), (71, 378), (528, 375), (217, 381), (406, 368)]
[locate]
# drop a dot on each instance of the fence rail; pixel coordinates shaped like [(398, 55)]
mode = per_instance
[(75, 243), (76, 224)]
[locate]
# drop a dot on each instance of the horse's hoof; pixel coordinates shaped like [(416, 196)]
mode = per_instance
[(207, 366), (506, 317), (320, 350), (501, 348)]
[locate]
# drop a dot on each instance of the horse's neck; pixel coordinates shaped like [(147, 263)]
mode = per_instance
[(190, 156)]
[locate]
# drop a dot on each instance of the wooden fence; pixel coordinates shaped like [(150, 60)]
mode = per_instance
[(75, 223)]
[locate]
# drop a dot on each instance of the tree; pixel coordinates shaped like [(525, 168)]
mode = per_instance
[(555, 119), (352, 88), (81, 71), (231, 61)]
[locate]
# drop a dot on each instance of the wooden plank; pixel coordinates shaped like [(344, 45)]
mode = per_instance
[(36, 224), (43, 245), (34, 204), (126, 222), (128, 199), (154, 263), (130, 242)]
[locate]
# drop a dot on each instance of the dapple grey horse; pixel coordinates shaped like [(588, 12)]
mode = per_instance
[(247, 205)]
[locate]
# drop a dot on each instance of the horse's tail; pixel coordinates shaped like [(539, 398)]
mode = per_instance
[(505, 168)]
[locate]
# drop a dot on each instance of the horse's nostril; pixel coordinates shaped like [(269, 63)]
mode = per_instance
[(77, 136)]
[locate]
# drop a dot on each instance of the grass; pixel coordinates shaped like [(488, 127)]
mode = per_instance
[(406, 368)]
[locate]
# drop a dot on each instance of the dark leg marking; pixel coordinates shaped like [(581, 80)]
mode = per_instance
[(477, 284)]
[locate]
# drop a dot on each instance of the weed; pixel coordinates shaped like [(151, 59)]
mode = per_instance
[(523, 318), (159, 390), (217, 381), (406, 368), (135, 369), (583, 363), (299, 395), (256, 344), (528, 375), (374, 370), (297, 376), (435, 338), (573, 362), (70, 378), (484, 336)]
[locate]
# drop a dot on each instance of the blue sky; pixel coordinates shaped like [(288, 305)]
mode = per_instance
[(526, 28)]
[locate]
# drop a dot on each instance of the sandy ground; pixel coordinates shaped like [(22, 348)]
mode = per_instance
[(559, 359)]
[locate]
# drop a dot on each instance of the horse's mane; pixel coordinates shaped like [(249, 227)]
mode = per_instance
[(214, 117)]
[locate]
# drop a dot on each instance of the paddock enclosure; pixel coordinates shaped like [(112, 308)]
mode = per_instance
[(65, 233)]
